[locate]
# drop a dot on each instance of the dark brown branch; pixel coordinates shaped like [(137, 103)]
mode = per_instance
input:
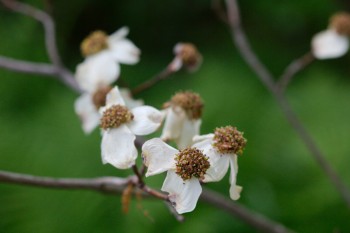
[(266, 78), (293, 68), (116, 185)]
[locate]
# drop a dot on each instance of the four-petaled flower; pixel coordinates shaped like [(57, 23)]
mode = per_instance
[(222, 148), (119, 127), (333, 42), (183, 118), (184, 169)]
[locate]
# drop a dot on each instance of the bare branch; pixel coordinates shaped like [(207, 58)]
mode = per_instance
[(116, 185), (293, 68), (46, 20), (41, 69), (266, 78)]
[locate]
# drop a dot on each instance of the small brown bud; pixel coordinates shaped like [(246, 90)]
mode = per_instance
[(189, 101), (189, 55), (228, 140), (341, 23)]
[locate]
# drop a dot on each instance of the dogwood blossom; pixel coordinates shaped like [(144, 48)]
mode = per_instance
[(119, 127), (186, 56), (222, 148), (182, 122), (333, 42), (184, 170)]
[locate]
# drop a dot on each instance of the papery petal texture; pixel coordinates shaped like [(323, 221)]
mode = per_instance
[(146, 120), (87, 112), (329, 44), (158, 156), (173, 124), (183, 194), (190, 128)]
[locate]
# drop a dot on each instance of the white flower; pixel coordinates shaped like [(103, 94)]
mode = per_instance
[(184, 169), (222, 149), (88, 104), (186, 56), (182, 121), (333, 42), (120, 125)]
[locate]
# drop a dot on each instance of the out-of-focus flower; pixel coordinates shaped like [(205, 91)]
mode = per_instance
[(183, 118), (222, 148), (119, 127), (116, 45), (333, 42), (186, 56), (184, 170)]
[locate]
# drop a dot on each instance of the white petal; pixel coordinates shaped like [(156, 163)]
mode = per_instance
[(97, 71), (114, 97), (125, 52), (118, 35), (234, 189), (173, 123), (176, 64), (118, 147), (87, 112), (158, 156), (146, 120), (190, 128), (200, 138), (329, 44), (183, 194), (129, 101)]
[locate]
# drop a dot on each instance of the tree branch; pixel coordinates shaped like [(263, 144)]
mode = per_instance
[(115, 185), (266, 78)]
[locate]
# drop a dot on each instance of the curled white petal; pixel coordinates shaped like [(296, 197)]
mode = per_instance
[(129, 101), (329, 44), (118, 35), (200, 138), (234, 189), (124, 51), (190, 128), (173, 123), (158, 156), (146, 120), (114, 97), (97, 71), (118, 147), (87, 112), (183, 194)]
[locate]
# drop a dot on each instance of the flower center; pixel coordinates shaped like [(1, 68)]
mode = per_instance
[(191, 162), (228, 140), (99, 97), (191, 102), (341, 23), (114, 116), (189, 54), (94, 43)]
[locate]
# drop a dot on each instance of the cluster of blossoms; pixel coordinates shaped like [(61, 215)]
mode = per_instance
[(333, 42), (198, 158)]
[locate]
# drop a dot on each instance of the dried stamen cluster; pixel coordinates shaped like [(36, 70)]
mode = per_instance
[(114, 116), (341, 23), (229, 140), (189, 54), (94, 43), (99, 97), (191, 162), (191, 102)]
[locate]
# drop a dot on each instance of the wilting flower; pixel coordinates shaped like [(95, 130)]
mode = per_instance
[(184, 170), (182, 123), (88, 104), (120, 125), (222, 148), (186, 56), (333, 42)]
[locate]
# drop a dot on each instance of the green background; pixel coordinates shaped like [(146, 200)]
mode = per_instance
[(41, 135)]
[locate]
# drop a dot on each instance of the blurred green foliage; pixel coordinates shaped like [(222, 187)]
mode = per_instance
[(41, 135)]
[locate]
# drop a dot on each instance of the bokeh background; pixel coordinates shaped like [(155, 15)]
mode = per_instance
[(41, 135)]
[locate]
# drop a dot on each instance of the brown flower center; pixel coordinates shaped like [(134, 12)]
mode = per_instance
[(191, 162), (228, 140), (94, 43), (191, 102), (114, 116), (189, 54), (99, 97), (341, 23)]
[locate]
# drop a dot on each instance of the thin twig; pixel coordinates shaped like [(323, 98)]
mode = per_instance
[(293, 68), (151, 82), (266, 78), (115, 185)]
